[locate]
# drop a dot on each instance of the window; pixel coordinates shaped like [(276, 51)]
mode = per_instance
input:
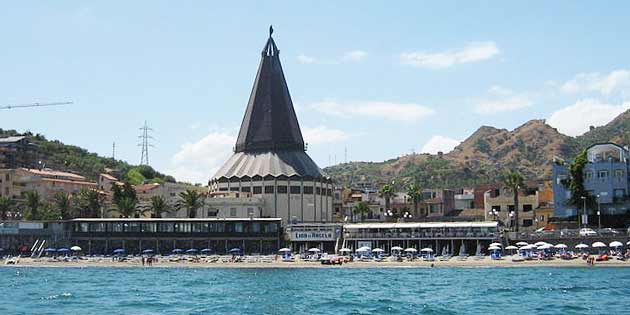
[(223, 189), (619, 173), (245, 189), (232, 212), (619, 193), (213, 213), (496, 208), (296, 190), (257, 190), (268, 189), (318, 191), (308, 190), (234, 189), (250, 212), (528, 222), (510, 207), (527, 208), (602, 174), (588, 175), (282, 189)]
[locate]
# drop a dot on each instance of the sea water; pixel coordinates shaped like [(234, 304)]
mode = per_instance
[(95, 290)]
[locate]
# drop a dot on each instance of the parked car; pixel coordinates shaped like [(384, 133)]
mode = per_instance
[(587, 232), (609, 232)]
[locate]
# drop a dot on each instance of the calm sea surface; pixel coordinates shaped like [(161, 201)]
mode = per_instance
[(314, 291)]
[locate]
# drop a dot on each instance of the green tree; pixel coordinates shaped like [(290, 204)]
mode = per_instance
[(387, 192), (32, 201), (126, 207), (191, 200), (6, 205), (90, 203), (63, 205), (514, 181), (415, 194), (576, 183), (159, 206), (361, 209)]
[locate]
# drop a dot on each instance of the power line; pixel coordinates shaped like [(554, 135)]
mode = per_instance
[(144, 137), (35, 105)]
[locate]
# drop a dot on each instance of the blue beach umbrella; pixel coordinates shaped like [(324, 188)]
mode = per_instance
[(63, 250), (50, 250), (147, 251), (119, 251), (177, 251), (235, 250), (191, 251), (206, 250)]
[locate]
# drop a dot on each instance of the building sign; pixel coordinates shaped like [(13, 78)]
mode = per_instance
[(311, 233)]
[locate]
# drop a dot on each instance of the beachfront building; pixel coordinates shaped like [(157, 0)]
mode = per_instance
[(230, 204), (101, 236), (270, 159), (304, 236), (15, 182), (418, 235), (606, 178), (501, 207), (436, 203)]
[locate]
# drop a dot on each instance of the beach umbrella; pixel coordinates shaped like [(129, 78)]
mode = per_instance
[(428, 250), (495, 244), (284, 250), (119, 251), (560, 246), (345, 250), (63, 250), (147, 251), (75, 248), (598, 245), (192, 251), (1, 249), (581, 246), (628, 243), (411, 250), (363, 249), (206, 250), (378, 250), (235, 250), (538, 244), (314, 250), (50, 250), (616, 244), (397, 248), (522, 244), (177, 251), (511, 247), (545, 246), (494, 248)]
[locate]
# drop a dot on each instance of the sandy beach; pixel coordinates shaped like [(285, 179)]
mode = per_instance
[(485, 262)]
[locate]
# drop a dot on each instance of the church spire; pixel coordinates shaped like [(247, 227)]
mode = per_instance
[(270, 123)]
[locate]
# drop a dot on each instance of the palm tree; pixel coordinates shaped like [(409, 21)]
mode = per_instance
[(63, 203), (514, 181), (126, 207), (6, 205), (361, 209), (33, 202), (90, 203), (159, 206), (191, 200), (415, 193), (387, 192)]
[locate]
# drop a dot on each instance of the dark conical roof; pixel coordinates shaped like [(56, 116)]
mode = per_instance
[(270, 123)]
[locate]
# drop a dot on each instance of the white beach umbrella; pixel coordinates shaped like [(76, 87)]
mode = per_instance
[(428, 250), (511, 247), (411, 250), (560, 246), (628, 243), (545, 246), (397, 248), (315, 250), (522, 244), (527, 247), (538, 244), (363, 249), (494, 248), (616, 244), (378, 250), (345, 250), (284, 250), (581, 246), (495, 244), (75, 248), (598, 245)]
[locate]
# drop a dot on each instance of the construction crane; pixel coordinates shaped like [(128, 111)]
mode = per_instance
[(35, 105)]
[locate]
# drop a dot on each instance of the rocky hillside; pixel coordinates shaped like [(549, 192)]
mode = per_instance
[(483, 156)]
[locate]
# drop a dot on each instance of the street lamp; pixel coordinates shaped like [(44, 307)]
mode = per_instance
[(599, 214), (584, 210), (511, 219)]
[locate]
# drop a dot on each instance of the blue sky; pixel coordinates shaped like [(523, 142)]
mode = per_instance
[(378, 79)]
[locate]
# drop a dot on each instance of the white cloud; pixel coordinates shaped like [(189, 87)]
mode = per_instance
[(323, 134), (303, 59), (502, 100), (597, 82), (472, 52), (387, 110), (576, 119), (440, 144), (355, 56), (197, 162)]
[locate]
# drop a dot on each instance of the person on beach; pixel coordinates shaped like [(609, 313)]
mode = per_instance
[(142, 260)]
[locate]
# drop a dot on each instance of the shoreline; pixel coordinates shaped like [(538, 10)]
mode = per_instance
[(469, 263)]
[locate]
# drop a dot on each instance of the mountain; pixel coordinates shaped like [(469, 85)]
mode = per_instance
[(483, 156), (59, 156)]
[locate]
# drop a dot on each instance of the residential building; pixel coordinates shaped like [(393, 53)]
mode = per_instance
[(17, 151), (229, 204), (436, 203), (501, 208), (606, 178), (15, 182)]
